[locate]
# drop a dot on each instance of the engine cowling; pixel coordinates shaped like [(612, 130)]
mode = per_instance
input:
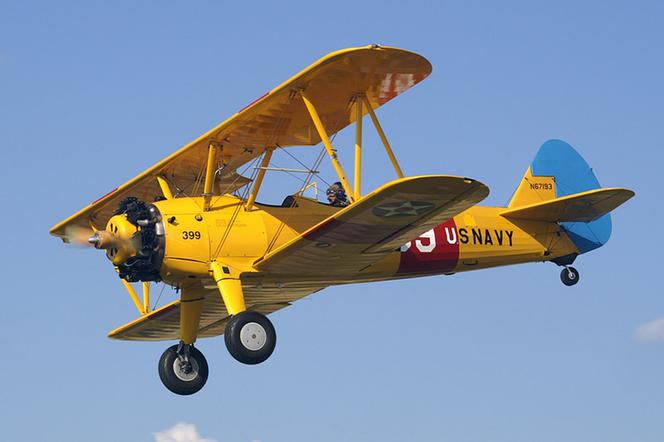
[(134, 240)]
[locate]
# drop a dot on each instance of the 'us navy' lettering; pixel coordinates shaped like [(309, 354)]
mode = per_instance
[(427, 242), (487, 237)]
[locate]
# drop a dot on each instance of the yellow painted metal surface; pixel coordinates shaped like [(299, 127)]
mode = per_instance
[(134, 296), (191, 308), (122, 229), (533, 190), (259, 178), (580, 207), (146, 297), (229, 286), (165, 188), (164, 323), (210, 169), (282, 224), (358, 149), (489, 240), (235, 234)]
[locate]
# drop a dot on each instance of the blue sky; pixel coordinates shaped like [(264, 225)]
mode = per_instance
[(92, 93)]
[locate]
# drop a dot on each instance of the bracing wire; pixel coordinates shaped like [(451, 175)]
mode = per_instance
[(163, 286), (308, 179), (236, 211)]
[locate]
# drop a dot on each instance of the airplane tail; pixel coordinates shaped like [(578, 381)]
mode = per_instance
[(559, 186)]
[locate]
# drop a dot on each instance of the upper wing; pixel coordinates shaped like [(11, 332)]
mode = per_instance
[(583, 207), (374, 226), (164, 323), (279, 118)]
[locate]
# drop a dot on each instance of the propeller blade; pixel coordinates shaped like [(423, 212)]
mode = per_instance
[(78, 236)]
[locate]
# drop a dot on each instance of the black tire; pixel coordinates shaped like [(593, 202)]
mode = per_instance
[(179, 382), (569, 276), (250, 337)]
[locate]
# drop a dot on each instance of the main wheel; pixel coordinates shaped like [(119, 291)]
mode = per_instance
[(182, 376), (250, 337), (569, 276)]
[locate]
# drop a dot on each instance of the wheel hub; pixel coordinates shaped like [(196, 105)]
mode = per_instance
[(185, 370), (253, 336)]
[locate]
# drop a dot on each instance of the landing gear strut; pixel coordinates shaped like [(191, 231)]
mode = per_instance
[(250, 337), (569, 276), (183, 369)]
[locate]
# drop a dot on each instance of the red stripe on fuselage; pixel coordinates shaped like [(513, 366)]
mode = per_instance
[(435, 251)]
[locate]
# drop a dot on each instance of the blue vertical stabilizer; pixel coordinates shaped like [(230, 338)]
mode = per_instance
[(572, 175)]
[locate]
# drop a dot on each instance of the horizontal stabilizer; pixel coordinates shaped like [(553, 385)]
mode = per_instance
[(579, 207)]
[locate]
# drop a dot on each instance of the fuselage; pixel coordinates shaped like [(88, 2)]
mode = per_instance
[(477, 238)]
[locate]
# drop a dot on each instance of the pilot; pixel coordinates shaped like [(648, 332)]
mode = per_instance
[(336, 195)]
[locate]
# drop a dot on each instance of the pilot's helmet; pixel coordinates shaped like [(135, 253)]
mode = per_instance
[(337, 191)]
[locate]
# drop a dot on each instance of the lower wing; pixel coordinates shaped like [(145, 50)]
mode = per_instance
[(164, 323)]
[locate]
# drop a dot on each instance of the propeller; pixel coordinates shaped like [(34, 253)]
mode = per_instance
[(78, 236), (100, 239)]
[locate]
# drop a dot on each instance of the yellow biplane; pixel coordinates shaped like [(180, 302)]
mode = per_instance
[(192, 221)]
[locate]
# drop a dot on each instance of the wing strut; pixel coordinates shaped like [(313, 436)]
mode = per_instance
[(165, 188), (383, 138), (361, 101), (209, 175), (328, 146), (144, 307), (259, 179), (358, 148)]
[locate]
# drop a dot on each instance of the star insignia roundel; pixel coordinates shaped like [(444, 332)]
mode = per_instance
[(402, 208)]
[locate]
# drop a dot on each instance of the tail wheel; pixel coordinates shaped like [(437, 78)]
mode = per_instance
[(183, 372), (569, 276), (250, 337)]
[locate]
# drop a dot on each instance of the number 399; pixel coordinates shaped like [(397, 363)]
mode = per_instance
[(191, 234)]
